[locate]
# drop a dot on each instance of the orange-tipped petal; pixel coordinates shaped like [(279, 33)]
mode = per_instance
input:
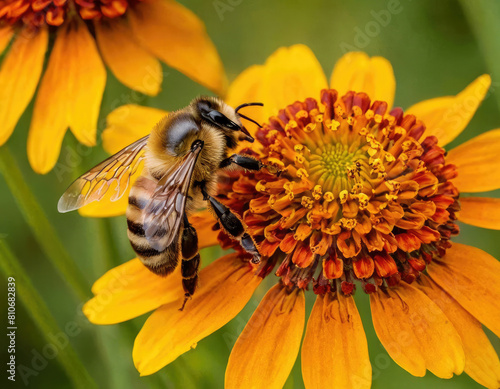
[(472, 277), (446, 117), (19, 75), (265, 351), (69, 95), (480, 211), (203, 222), (335, 348), (132, 65), (357, 72), (477, 163), (128, 123), (481, 361), (246, 88), (178, 37), (290, 74), (416, 333), (5, 37), (130, 290), (225, 287)]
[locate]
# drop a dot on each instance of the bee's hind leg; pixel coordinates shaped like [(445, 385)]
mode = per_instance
[(233, 226), (190, 260)]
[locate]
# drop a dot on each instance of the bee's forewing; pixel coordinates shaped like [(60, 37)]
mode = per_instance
[(93, 185)]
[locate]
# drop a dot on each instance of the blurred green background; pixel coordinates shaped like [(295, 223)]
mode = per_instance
[(436, 49)]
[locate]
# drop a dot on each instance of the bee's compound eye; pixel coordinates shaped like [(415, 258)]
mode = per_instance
[(180, 128), (216, 117)]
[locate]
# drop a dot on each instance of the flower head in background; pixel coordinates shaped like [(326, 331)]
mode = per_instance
[(366, 198), (130, 37)]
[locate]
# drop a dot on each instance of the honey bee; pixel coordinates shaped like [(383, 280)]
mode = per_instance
[(182, 156)]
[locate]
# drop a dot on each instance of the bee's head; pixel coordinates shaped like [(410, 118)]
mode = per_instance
[(225, 118)]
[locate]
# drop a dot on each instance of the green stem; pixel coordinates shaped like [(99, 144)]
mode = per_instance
[(40, 225), (483, 16), (42, 317)]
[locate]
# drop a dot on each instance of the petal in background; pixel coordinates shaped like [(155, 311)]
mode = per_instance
[(130, 290), (416, 333), (477, 163), (446, 117), (70, 95), (357, 72), (265, 351), (335, 349), (5, 37), (19, 75), (290, 74), (131, 64), (246, 88), (225, 287), (178, 37), (481, 361), (472, 277), (480, 211)]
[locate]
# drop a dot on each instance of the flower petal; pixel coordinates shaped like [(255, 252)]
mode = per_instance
[(290, 74), (246, 88), (203, 222), (128, 123), (130, 290), (132, 65), (446, 117), (477, 163), (335, 348), (225, 287), (471, 276), (178, 37), (357, 72), (481, 361), (480, 211), (70, 95), (6, 33), (265, 351), (19, 75), (416, 333)]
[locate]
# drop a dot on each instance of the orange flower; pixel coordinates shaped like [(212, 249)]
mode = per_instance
[(366, 198), (129, 36)]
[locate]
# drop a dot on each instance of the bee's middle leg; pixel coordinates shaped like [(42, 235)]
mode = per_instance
[(243, 161), (233, 226), (190, 259)]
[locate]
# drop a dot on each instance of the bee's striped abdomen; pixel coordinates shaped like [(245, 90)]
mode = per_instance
[(159, 262)]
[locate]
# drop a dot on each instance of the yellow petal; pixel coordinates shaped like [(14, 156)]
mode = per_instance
[(224, 289), (246, 88), (19, 75), (70, 95), (416, 333), (446, 117), (178, 37), (472, 277), (128, 123), (480, 211), (130, 290), (5, 37), (335, 348), (357, 72), (132, 65), (481, 361), (265, 352), (290, 74), (477, 163)]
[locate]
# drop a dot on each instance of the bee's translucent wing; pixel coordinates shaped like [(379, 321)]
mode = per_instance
[(93, 185), (165, 210)]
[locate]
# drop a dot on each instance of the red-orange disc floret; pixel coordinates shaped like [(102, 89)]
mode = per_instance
[(359, 198)]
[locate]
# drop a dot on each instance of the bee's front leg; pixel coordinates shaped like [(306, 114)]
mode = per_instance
[(232, 225), (244, 161)]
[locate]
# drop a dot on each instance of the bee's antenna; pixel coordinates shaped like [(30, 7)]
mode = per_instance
[(250, 120), (247, 105)]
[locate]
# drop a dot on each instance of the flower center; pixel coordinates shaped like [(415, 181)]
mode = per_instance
[(359, 199), (36, 13)]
